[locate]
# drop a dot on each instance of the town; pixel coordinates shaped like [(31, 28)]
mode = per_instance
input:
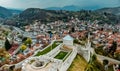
[(60, 46)]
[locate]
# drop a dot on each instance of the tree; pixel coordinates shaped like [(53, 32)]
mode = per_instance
[(105, 63), (117, 55), (12, 68), (4, 55), (23, 47), (6, 33), (29, 41), (113, 48), (3, 52), (24, 39), (7, 44), (73, 29)]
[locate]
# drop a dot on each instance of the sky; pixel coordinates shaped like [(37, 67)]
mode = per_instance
[(23, 4)]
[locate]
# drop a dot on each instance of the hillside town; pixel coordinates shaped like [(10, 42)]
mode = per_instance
[(56, 45), (60, 35)]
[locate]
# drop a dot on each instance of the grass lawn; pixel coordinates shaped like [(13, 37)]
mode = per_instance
[(47, 49), (58, 41), (61, 55), (67, 56), (78, 64)]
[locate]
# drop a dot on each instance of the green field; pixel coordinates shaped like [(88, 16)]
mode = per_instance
[(47, 49), (61, 55)]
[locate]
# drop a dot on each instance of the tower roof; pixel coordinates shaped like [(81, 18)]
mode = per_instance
[(68, 37)]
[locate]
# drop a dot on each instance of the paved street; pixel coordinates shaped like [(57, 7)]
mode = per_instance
[(100, 57)]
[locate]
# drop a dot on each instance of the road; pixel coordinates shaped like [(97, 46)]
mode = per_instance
[(111, 60)]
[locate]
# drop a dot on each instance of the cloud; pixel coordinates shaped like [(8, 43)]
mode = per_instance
[(98, 2), (57, 3)]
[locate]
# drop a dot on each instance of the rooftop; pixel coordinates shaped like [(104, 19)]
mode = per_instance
[(68, 37)]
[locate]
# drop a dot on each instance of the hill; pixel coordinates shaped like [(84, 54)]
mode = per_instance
[(15, 11), (32, 14), (73, 8), (4, 12), (67, 8), (29, 15), (114, 10), (43, 15)]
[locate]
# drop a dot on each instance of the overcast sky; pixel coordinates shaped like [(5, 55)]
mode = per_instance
[(23, 4)]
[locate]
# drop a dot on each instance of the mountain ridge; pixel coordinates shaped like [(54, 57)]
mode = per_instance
[(29, 15), (74, 8), (5, 12), (113, 10), (53, 15)]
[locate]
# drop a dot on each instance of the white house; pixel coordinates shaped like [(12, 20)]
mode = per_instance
[(68, 40)]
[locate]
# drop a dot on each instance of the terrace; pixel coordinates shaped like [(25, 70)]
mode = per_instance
[(61, 55), (64, 52), (48, 49)]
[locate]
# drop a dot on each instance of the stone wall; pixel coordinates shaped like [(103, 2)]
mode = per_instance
[(43, 49), (55, 51), (84, 51), (66, 64)]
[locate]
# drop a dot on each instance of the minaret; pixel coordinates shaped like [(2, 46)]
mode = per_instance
[(89, 47), (88, 42)]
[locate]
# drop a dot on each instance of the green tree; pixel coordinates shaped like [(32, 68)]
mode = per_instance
[(117, 55), (6, 33), (4, 54), (113, 48), (24, 39), (7, 44), (105, 63), (23, 47), (29, 41)]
